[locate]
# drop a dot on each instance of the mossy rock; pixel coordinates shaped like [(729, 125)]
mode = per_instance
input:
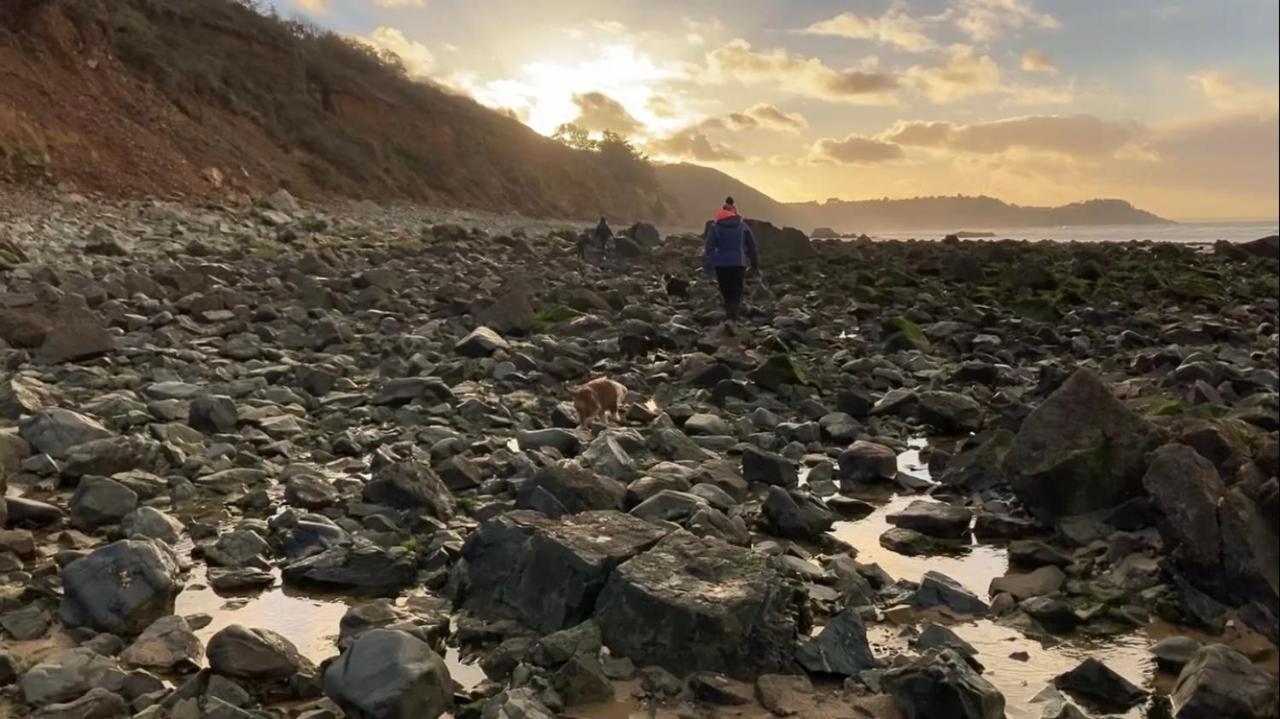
[(903, 334), (552, 315), (778, 370)]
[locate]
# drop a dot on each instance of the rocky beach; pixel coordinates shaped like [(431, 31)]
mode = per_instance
[(276, 459)]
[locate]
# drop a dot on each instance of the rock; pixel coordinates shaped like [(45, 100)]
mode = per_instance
[(482, 342), (546, 573), (581, 680), (254, 654), (519, 703), (97, 703), (99, 501), (949, 412), (910, 543), (1030, 553), (841, 647), (1096, 684), (68, 675), (699, 604), (409, 485), (1186, 489), (782, 693), (1081, 450), (388, 674), (707, 425), (459, 474), (1036, 583), (23, 511), (796, 515), (120, 588), (26, 623), (567, 489), (979, 467), (23, 328), (54, 431), (21, 395), (1053, 614), (364, 568), (151, 523), (768, 468), (934, 519), (670, 506), (941, 685), (562, 440), (309, 491), (719, 690), (936, 636), (1221, 682), (401, 391), (213, 414), (238, 548), (866, 463), (939, 590), (167, 645), (776, 371), (1174, 653), (76, 334), (282, 201), (511, 312)]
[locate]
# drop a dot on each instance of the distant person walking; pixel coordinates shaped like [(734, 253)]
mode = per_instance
[(730, 249), (603, 235)]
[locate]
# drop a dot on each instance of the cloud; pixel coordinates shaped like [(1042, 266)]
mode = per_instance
[(1080, 136), (661, 106), (762, 116), (399, 4), (985, 20), (690, 144), (1038, 61), (853, 150), (417, 59), (599, 112), (1232, 94), (807, 76), (316, 6), (893, 28), (962, 72)]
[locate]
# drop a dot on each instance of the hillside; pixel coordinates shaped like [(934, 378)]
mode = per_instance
[(971, 213), (196, 97), (696, 192)]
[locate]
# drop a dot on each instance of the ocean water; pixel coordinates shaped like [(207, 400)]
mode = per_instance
[(1188, 232)]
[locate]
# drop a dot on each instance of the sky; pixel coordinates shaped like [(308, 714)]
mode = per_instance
[(1170, 105)]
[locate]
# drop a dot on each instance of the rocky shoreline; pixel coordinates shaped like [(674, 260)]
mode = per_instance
[(370, 405)]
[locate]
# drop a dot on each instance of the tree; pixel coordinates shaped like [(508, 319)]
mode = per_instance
[(575, 136)]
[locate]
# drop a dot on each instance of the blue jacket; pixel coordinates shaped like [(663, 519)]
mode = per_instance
[(729, 243)]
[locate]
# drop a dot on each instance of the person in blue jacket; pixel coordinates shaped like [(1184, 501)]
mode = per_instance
[(730, 249)]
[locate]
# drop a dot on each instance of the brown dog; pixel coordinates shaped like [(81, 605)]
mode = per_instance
[(599, 397)]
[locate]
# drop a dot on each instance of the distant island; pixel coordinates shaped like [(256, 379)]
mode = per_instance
[(947, 213), (694, 192)]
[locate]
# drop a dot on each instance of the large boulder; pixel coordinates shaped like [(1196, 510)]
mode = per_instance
[(700, 604), (941, 684), (569, 489), (54, 431), (546, 573), (388, 674), (1220, 682), (1081, 450), (1186, 489), (409, 485), (254, 654), (780, 244), (120, 588)]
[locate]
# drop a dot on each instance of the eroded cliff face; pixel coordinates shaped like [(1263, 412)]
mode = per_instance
[(195, 97)]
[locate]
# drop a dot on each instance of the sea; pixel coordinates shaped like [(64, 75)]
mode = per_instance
[(1182, 232)]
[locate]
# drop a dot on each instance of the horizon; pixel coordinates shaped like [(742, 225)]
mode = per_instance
[(1036, 103)]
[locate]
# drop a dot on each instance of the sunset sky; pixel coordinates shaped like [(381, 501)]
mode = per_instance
[(1171, 105)]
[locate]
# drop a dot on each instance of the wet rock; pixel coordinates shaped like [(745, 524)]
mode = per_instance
[(238, 548), (568, 489), (936, 636), (699, 604), (934, 519), (911, 543), (1221, 682), (168, 644), (100, 501), (1053, 614), (1095, 684), (365, 568), (546, 573), (1174, 653), (1081, 450), (388, 674), (1004, 526), (54, 431), (1030, 554), (1036, 583), (768, 468), (949, 412), (68, 675), (796, 515), (841, 647), (240, 579), (939, 590), (409, 485), (866, 463), (254, 654), (120, 588), (979, 467), (942, 685)]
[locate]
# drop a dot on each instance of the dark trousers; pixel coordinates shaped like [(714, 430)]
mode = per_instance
[(731, 281)]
